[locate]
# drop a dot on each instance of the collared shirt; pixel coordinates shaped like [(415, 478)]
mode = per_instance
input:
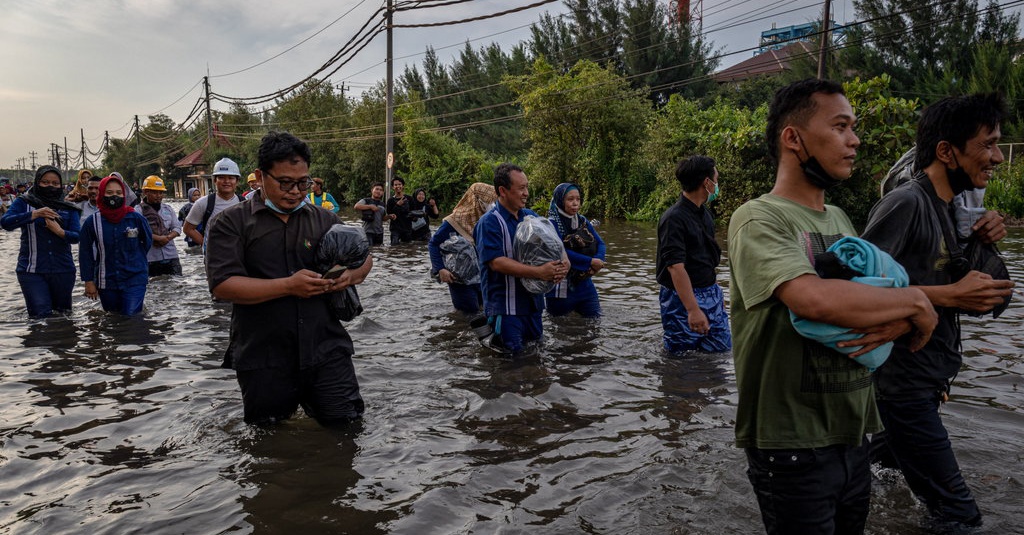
[(42, 251), (250, 240), (686, 235), (88, 209), (503, 294), (169, 251)]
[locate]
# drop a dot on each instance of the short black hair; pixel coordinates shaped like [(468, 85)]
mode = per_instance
[(398, 178), (503, 176), (375, 184), (279, 147), (956, 120), (95, 178), (794, 104), (692, 171)]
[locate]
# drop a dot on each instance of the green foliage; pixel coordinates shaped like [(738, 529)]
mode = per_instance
[(1005, 192), (585, 126), (886, 126), (733, 136), (437, 161)]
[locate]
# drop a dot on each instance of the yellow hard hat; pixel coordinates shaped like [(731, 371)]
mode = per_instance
[(153, 182), (252, 177)]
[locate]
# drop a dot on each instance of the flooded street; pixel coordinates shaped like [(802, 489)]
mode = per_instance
[(128, 425)]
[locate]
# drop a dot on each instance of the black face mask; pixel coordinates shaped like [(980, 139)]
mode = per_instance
[(48, 192), (959, 180), (113, 201), (815, 173)]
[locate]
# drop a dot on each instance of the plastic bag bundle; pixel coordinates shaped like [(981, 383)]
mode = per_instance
[(346, 246), (537, 243), (460, 258), (342, 245)]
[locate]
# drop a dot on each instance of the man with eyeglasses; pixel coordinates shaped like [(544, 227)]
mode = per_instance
[(287, 348), (225, 177)]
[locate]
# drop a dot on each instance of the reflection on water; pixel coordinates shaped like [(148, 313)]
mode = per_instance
[(115, 425)]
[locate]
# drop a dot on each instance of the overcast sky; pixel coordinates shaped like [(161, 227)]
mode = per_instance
[(95, 64)]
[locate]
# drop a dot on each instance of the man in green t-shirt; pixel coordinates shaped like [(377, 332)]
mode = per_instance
[(804, 410)]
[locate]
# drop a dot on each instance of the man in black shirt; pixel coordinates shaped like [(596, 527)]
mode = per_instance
[(398, 212), (692, 305), (286, 346), (956, 151)]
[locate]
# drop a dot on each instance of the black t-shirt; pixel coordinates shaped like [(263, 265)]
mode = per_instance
[(401, 224), (905, 223), (686, 234), (249, 240)]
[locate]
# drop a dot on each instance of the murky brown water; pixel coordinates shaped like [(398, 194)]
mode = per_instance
[(113, 425)]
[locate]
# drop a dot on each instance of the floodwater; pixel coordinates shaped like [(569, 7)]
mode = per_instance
[(128, 425)]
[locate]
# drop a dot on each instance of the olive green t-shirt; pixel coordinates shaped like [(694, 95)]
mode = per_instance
[(793, 392)]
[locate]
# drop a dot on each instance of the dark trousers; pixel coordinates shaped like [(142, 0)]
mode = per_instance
[(165, 267), (375, 239), (127, 300), (328, 393), (582, 298), (46, 293), (812, 491), (915, 436), (466, 298), (515, 331)]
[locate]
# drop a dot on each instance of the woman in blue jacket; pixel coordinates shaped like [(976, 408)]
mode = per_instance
[(585, 249), (473, 204), (49, 226), (115, 241)]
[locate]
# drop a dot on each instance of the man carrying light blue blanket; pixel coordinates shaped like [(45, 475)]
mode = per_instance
[(868, 265)]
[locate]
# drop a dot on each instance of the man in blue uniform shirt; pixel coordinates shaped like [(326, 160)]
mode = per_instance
[(514, 312)]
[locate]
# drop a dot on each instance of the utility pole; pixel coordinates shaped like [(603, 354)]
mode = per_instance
[(138, 150), (209, 115), (823, 49), (67, 164), (32, 154), (390, 121), (82, 131)]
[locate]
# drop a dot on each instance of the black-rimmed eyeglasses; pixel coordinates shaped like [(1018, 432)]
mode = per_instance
[(287, 185)]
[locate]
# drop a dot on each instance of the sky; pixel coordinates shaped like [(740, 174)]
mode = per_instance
[(93, 65)]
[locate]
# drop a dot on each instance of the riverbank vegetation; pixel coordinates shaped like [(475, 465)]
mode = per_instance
[(611, 96)]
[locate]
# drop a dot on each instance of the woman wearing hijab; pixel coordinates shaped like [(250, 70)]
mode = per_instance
[(586, 255), (115, 241), (193, 196), (420, 212), (49, 226), (473, 205), (81, 190)]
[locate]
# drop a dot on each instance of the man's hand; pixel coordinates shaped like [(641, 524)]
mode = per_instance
[(446, 276), (978, 292), (698, 321), (924, 320), (990, 227), (553, 271), (306, 283), (90, 290), (877, 336), (160, 241)]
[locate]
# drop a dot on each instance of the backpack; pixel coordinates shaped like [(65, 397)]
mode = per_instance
[(211, 200)]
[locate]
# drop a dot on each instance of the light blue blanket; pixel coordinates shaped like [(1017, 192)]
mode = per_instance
[(880, 270)]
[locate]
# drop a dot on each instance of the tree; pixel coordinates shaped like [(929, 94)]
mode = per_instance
[(585, 126)]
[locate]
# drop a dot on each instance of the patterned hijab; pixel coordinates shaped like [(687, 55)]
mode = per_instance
[(471, 207), (556, 212)]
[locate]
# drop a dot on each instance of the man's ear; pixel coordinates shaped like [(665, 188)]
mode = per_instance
[(789, 139), (944, 153)]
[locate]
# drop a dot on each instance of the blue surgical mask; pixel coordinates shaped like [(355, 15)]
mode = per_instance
[(270, 204)]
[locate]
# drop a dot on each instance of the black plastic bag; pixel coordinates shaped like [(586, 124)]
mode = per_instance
[(345, 246), (460, 258)]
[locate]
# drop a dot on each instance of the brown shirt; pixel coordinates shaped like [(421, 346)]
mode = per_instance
[(249, 240)]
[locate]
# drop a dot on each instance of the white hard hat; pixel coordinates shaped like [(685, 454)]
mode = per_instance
[(226, 166)]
